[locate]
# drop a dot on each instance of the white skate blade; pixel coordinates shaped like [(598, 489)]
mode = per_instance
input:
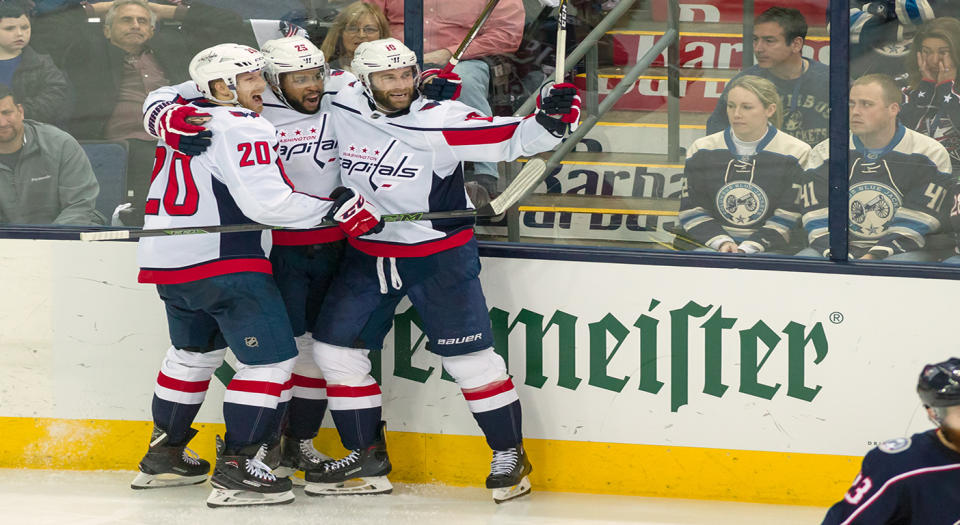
[(509, 493), (358, 486), (157, 481), (244, 498)]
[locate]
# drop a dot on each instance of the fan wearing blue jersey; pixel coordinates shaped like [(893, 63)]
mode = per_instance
[(405, 153), (217, 287), (740, 185), (899, 181), (915, 480)]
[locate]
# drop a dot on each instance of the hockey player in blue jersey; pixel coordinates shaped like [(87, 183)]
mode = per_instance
[(217, 288), (404, 154), (915, 480)]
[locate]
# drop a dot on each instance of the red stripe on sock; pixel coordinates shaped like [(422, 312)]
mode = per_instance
[(308, 382), (180, 385), (353, 391), (259, 387), (506, 386)]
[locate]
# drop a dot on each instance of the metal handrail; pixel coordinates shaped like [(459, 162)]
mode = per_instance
[(670, 38), (629, 78)]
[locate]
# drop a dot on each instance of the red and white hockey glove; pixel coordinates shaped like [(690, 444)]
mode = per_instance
[(436, 84), (558, 108), (355, 215), (181, 128)]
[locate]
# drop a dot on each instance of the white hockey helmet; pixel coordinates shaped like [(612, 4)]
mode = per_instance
[(286, 55), (382, 55), (224, 62)]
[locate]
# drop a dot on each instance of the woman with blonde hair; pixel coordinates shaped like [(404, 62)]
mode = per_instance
[(931, 104), (357, 23), (739, 191)]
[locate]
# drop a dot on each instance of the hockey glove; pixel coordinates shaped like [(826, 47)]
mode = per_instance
[(355, 215), (181, 128), (437, 85), (558, 108)]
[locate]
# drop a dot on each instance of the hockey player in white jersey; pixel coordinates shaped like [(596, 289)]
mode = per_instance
[(404, 154), (217, 288), (304, 261)]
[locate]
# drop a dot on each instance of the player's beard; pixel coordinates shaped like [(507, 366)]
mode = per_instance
[(951, 435), (300, 108), (383, 100)]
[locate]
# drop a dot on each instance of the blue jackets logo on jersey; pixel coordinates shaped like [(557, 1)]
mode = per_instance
[(742, 203), (872, 208), (892, 446)]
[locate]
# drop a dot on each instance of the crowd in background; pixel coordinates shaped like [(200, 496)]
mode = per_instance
[(73, 75)]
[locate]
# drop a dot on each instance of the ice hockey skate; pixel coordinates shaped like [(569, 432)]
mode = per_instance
[(297, 455), (361, 472), (170, 465), (508, 474), (242, 479)]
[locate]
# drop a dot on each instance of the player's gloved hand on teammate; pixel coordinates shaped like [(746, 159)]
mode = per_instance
[(558, 108), (435, 84), (355, 215), (181, 128)]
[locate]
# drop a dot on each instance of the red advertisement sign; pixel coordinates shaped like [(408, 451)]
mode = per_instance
[(701, 50), (697, 95), (727, 11)]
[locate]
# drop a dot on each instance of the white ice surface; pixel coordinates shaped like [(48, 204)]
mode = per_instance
[(101, 498)]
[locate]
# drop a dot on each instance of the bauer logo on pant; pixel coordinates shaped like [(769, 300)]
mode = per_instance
[(251, 342)]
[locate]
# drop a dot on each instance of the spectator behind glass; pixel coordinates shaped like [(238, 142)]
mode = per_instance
[(739, 192), (930, 104), (45, 178), (445, 24), (41, 88), (899, 180), (114, 65), (357, 23), (778, 35)]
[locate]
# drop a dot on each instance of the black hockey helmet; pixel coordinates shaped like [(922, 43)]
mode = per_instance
[(939, 384)]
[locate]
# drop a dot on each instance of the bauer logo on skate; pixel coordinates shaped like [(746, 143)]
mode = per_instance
[(608, 342)]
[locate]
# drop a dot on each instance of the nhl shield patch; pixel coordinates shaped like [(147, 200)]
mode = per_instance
[(251, 342), (895, 445)]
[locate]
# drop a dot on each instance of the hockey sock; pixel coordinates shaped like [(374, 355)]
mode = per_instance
[(497, 411), (356, 412), (307, 407), (174, 418), (254, 402), (304, 417), (357, 428), (180, 389)]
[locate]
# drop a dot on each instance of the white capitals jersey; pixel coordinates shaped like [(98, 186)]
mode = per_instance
[(238, 179), (307, 147), (412, 162)]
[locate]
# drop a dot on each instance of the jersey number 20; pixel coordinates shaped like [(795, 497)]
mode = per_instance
[(181, 195)]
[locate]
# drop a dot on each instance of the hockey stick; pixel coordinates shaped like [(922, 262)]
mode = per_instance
[(482, 19), (561, 41), (525, 181)]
